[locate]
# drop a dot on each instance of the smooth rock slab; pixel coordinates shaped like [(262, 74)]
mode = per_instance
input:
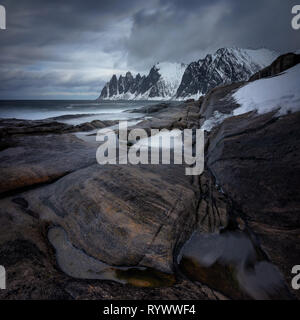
[(122, 215), (30, 160), (77, 264)]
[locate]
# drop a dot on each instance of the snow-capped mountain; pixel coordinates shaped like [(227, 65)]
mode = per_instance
[(167, 81), (161, 83), (226, 65)]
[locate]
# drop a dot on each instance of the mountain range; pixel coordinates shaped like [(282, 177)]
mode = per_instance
[(178, 81)]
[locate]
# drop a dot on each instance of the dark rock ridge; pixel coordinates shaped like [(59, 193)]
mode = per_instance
[(259, 169), (255, 160), (124, 85), (281, 64)]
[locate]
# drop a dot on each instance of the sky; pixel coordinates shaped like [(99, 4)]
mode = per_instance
[(61, 49)]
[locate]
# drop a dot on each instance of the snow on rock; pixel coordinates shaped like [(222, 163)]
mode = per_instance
[(280, 92), (217, 118)]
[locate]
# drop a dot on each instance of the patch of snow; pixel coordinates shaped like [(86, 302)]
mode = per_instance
[(171, 75), (249, 58), (262, 57), (122, 96), (192, 96), (280, 92), (215, 120), (161, 140)]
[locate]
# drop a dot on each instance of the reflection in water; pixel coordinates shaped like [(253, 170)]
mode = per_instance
[(228, 262), (78, 264), (231, 257)]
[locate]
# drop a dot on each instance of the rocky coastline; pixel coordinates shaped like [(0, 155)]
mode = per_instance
[(140, 217)]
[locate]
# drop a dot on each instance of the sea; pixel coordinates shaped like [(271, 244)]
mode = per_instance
[(87, 109)]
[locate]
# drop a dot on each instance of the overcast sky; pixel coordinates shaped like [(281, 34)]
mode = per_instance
[(60, 49)]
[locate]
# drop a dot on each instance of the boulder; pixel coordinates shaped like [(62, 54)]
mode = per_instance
[(122, 215), (255, 159), (30, 160)]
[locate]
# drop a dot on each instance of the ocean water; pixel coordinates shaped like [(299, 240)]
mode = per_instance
[(43, 109)]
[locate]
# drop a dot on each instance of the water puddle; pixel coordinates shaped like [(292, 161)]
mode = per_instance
[(232, 263), (77, 264)]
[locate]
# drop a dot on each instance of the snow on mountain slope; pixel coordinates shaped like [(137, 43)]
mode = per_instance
[(280, 92), (168, 80), (171, 75), (262, 57), (225, 66), (161, 83)]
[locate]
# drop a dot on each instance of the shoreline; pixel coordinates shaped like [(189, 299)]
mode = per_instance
[(141, 216)]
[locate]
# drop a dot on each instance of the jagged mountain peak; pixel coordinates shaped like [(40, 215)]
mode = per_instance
[(224, 66), (128, 74), (161, 82), (172, 80)]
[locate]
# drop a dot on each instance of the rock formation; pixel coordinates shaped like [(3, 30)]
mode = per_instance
[(134, 217)]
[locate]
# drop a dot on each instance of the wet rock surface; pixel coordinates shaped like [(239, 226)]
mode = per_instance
[(123, 216), (33, 272), (233, 263), (259, 169), (254, 159)]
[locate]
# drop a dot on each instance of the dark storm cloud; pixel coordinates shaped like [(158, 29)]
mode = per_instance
[(48, 43), (37, 24), (60, 48), (183, 30)]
